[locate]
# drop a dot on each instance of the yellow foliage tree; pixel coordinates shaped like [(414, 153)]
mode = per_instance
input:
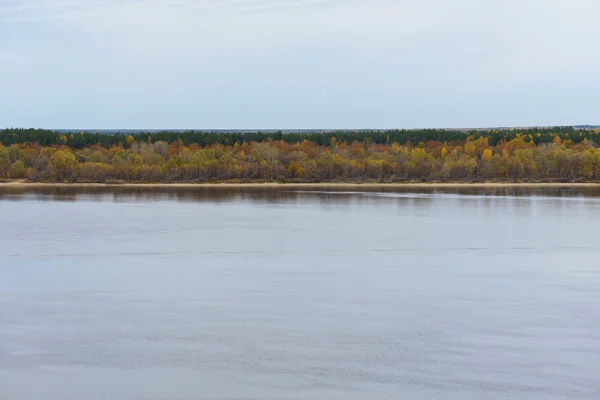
[(487, 155), (63, 164)]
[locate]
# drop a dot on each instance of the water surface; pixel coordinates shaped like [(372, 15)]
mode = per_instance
[(279, 294)]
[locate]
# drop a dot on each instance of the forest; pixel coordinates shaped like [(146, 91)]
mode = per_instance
[(525, 155)]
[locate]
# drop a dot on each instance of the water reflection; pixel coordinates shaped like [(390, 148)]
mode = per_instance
[(331, 196), (517, 202)]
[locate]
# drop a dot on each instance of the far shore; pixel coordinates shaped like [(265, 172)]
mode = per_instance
[(332, 185)]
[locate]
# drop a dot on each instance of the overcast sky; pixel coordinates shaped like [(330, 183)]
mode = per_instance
[(298, 63)]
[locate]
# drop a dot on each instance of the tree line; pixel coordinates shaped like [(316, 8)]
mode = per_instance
[(533, 155), (82, 139)]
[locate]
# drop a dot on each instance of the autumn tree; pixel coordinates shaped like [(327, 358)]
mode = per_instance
[(63, 164)]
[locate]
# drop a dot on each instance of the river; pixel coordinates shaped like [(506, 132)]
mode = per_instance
[(283, 294)]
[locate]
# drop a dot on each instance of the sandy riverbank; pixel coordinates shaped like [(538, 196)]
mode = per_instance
[(354, 186)]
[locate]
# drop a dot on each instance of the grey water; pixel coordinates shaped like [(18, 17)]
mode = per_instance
[(280, 294)]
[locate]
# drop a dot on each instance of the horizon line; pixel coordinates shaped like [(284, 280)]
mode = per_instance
[(584, 126)]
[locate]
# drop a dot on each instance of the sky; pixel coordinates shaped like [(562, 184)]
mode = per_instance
[(292, 64)]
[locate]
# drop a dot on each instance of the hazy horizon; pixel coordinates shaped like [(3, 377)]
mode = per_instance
[(328, 64), (577, 126)]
